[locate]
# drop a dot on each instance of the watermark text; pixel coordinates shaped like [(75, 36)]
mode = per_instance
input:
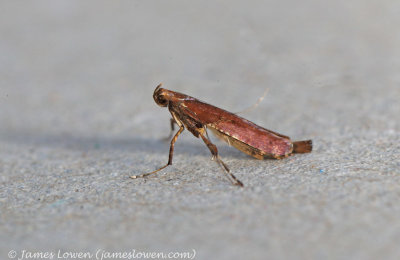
[(99, 254)]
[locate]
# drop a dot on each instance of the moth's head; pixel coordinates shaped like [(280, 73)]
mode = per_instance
[(160, 96)]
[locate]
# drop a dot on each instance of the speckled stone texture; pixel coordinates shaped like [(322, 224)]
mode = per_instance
[(77, 118)]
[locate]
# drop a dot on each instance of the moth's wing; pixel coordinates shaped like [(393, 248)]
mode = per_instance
[(245, 148), (232, 126)]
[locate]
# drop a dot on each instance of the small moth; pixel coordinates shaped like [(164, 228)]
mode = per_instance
[(197, 117)]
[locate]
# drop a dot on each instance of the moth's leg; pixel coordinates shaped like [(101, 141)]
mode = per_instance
[(172, 130), (171, 153), (214, 151)]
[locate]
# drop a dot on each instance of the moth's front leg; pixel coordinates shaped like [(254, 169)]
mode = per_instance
[(171, 154)]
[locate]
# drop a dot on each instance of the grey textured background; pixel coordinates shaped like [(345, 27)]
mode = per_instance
[(77, 118)]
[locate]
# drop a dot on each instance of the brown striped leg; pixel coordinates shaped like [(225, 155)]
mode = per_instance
[(214, 151), (171, 153)]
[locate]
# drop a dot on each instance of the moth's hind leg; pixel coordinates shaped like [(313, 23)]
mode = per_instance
[(214, 151)]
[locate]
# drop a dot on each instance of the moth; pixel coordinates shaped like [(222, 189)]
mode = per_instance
[(197, 117)]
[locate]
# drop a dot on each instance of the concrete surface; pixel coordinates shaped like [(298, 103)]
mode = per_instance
[(77, 118)]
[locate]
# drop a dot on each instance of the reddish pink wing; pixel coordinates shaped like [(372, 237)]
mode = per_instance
[(239, 128)]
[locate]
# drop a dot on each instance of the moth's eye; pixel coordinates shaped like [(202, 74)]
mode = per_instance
[(161, 100)]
